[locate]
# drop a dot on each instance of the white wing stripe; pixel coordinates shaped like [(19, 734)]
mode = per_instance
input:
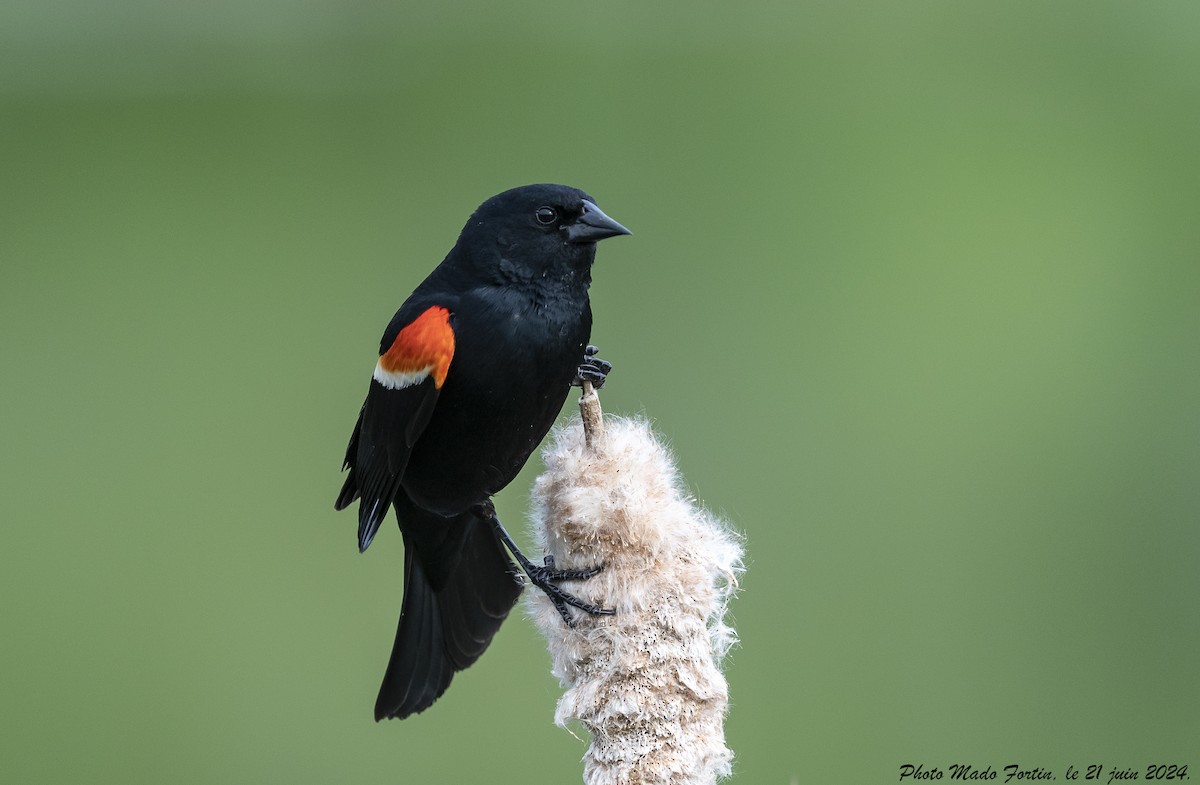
[(397, 380)]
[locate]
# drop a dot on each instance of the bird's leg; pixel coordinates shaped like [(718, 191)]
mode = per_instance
[(592, 369), (546, 576)]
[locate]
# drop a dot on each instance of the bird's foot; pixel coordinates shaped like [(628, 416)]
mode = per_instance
[(546, 576), (551, 572), (592, 369)]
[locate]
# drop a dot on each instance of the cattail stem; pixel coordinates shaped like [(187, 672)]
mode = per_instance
[(592, 416), (646, 681)]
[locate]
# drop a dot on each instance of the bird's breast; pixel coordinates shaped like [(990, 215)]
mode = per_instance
[(513, 365)]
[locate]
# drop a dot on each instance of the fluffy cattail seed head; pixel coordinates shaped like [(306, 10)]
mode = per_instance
[(646, 681)]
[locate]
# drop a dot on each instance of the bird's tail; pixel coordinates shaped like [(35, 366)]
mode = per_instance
[(452, 608)]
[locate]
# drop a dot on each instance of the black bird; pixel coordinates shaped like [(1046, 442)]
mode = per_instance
[(473, 370)]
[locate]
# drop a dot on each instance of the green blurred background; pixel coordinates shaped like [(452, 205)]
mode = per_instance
[(914, 293)]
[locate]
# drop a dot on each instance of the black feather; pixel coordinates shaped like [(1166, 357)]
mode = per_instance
[(376, 458), (445, 629)]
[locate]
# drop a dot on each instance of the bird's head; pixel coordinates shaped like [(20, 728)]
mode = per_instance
[(537, 230)]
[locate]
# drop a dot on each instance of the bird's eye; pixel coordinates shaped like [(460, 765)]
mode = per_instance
[(546, 215)]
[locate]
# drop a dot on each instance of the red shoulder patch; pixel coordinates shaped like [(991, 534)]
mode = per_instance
[(425, 347)]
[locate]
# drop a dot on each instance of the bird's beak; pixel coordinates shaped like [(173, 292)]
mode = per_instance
[(593, 225)]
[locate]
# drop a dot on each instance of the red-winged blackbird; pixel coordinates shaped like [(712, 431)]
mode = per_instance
[(472, 371)]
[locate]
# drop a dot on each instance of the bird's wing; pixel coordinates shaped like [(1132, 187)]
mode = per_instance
[(414, 358)]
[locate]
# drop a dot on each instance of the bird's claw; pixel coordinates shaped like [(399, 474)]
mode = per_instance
[(592, 369), (546, 578), (555, 574)]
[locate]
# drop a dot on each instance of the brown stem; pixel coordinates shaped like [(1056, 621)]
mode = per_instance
[(593, 418)]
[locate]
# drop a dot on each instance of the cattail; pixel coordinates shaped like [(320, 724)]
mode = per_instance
[(645, 681)]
